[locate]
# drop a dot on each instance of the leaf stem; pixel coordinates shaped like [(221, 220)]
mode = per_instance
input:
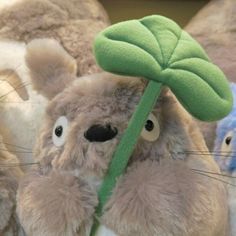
[(126, 146)]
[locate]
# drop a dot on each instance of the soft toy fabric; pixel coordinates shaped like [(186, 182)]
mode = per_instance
[(74, 23), (163, 190)]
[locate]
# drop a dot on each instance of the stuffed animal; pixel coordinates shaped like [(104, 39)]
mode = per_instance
[(74, 23), (21, 108), (225, 142), (224, 153), (114, 151)]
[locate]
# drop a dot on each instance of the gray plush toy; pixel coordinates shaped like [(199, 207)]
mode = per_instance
[(165, 190)]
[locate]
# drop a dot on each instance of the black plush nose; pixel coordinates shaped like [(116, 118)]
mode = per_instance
[(100, 133)]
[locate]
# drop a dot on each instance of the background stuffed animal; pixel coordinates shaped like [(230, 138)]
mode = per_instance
[(225, 155), (225, 143), (21, 108), (73, 23), (166, 189)]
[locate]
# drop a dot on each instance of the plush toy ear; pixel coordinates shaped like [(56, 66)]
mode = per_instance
[(51, 67)]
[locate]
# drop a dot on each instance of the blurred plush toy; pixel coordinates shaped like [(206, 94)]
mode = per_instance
[(225, 155), (225, 144), (74, 24), (114, 151), (21, 108)]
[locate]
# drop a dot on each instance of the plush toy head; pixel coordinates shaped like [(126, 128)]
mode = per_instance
[(225, 144)]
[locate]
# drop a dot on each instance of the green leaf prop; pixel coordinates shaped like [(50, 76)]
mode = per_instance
[(157, 49)]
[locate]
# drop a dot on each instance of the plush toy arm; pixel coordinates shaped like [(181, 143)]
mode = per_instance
[(57, 204), (166, 198)]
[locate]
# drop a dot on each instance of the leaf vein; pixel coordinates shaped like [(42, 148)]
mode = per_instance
[(135, 45), (187, 58), (200, 78), (157, 40), (177, 43)]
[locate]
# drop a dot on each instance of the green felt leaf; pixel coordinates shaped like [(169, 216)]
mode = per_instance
[(157, 49)]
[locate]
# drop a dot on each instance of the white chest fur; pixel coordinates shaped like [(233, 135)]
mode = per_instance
[(103, 231)]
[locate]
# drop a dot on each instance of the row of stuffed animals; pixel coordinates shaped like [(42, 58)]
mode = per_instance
[(57, 195)]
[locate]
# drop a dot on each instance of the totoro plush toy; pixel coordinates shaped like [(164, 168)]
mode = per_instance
[(119, 155)]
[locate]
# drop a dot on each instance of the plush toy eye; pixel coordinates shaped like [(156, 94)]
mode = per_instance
[(226, 145), (228, 140), (151, 130), (60, 131), (100, 133)]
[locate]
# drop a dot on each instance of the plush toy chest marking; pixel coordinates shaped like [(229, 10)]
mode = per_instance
[(103, 231)]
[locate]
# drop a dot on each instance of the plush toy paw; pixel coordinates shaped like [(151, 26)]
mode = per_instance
[(57, 204), (160, 199)]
